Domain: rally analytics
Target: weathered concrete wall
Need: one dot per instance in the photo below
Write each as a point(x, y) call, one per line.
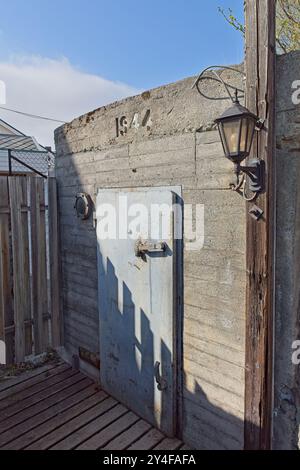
point(171, 152)
point(287, 377)
point(168, 152)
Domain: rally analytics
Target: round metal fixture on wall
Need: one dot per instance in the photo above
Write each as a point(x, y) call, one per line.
point(83, 206)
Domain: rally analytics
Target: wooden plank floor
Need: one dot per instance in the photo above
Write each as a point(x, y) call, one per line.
point(57, 408)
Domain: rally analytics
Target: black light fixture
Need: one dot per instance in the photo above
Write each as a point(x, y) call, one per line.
point(237, 127)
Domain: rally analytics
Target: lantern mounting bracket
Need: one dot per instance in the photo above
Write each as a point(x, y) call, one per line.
point(260, 124)
point(237, 126)
point(211, 73)
point(254, 171)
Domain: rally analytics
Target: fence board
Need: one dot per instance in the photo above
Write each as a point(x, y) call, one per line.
point(21, 280)
point(54, 265)
point(6, 311)
point(39, 265)
point(29, 253)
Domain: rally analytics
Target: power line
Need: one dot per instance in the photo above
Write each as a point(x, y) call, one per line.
point(34, 116)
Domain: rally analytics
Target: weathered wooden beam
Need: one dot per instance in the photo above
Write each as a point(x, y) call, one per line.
point(260, 98)
point(55, 279)
point(28, 323)
point(39, 265)
point(6, 301)
point(21, 271)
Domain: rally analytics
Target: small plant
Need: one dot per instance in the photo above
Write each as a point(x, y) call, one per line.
point(232, 20)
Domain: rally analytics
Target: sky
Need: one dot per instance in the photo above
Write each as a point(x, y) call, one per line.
point(62, 58)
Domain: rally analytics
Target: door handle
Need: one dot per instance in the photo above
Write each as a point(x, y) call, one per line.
point(161, 382)
point(149, 247)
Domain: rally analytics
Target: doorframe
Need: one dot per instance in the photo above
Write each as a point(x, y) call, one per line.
point(178, 289)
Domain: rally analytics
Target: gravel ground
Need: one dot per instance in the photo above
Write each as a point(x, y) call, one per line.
point(14, 370)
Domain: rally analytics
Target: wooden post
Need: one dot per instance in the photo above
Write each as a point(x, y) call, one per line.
point(54, 265)
point(260, 97)
point(39, 265)
point(21, 273)
point(6, 301)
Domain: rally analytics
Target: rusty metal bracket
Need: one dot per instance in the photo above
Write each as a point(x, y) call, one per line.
point(256, 213)
point(143, 248)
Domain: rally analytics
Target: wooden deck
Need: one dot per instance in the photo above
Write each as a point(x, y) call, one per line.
point(56, 407)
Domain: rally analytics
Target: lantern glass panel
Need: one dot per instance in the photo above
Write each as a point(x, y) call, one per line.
point(251, 128)
point(244, 135)
point(231, 131)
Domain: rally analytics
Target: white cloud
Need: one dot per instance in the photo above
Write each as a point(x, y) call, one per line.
point(53, 88)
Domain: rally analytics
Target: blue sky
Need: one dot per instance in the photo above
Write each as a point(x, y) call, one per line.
point(113, 49)
point(144, 44)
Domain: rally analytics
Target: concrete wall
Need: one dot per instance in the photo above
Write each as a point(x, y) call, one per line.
point(166, 151)
point(171, 152)
point(287, 377)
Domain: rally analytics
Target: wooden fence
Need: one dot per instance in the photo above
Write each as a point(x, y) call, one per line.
point(29, 267)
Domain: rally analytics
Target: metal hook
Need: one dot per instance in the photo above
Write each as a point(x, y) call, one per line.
point(161, 382)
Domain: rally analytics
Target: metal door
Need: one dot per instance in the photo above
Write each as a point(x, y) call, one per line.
point(137, 303)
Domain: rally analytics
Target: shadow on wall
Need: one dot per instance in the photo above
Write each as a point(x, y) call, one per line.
point(203, 422)
point(129, 361)
point(131, 374)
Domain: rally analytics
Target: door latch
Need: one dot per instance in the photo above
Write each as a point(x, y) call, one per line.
point(142, 247)
point(161, 382)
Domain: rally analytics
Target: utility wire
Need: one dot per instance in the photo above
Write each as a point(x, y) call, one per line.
point(34, 116)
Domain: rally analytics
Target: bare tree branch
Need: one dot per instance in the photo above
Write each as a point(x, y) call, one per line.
point(287, 28)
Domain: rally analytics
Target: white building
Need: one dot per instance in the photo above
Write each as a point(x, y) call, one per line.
point(20, 154)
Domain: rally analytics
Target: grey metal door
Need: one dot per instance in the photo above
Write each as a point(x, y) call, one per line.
point(137, 305)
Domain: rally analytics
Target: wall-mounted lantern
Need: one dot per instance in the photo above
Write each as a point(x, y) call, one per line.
point(237, 127)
